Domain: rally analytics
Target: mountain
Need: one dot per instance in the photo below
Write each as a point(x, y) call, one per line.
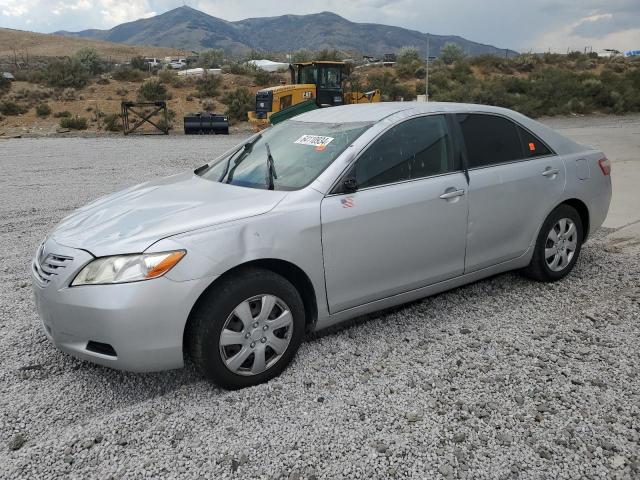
point(191, 29)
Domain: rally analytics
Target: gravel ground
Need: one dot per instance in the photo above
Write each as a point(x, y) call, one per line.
point(504, 378)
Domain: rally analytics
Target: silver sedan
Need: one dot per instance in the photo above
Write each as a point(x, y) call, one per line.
point(331, 215)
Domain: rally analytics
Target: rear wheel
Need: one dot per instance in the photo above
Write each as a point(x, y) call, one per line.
point(558, 245)
point(247, 329)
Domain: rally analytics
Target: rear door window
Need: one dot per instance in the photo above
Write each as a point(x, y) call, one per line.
point(490, 139)
point(417, 148)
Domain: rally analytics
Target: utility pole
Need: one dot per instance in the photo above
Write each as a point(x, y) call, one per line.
point(426, 83)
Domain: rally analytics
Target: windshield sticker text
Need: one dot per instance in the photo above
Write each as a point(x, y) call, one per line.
point(314, 140)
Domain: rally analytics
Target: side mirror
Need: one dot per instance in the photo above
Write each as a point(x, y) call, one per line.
point(350, 185)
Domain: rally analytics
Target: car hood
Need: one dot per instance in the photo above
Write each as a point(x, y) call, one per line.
point(133, 219)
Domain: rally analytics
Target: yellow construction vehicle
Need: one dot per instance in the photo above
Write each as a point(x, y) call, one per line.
point(313, 85)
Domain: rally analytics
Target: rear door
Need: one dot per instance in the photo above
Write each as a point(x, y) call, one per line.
point(515, 180)
point(405, 226)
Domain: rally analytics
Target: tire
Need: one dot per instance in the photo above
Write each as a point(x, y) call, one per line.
point(542, 266)
point(236, 306)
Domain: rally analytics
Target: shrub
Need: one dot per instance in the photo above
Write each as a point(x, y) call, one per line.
point(122, 91)
point(43, 110)
point(66, 73)
point(127, 74)
point(300, 56)
point(328, 55)
point(451, 53)
point(103, 81)
point(90, 60)
point(264, 78)
point(208, 105)
point(68, 94)
point(236, 68)
point(409, 63)
point(31, 76)
point(239, 102)
point(152, 91)
point(9, 107)
point(208, 85)
point(139, 63)
point(211, 58)
point(5, 85)
point(31, 96)
point(74, 123)
point(112, 122)
point(166, 76)
point(63, 114)
point(389, 86)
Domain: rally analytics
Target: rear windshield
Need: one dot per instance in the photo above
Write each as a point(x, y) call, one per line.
point(300, 152)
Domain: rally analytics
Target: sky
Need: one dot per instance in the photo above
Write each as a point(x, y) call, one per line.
point(536, 25)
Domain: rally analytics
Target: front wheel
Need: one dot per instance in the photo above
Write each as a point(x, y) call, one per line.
point(247, 329)
point(558, 245)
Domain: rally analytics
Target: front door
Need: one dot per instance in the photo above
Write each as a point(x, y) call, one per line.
point(405, 226)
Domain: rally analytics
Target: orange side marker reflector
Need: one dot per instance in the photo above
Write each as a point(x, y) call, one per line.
point(166, 264)
point(532, 147)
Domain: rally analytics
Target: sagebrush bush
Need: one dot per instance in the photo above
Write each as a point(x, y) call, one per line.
point(153, 91)
point(208, 86)
point(236, 69)
point(239, 102)
point(74, 123)
point(43, 110)
point(62, 114)
point(128, 74)
point(167, 76)
point(112, 122)
point(8, 107)
point(65, 73)
point(264, 78)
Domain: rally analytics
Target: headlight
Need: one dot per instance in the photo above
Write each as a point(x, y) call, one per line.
point(127, 268)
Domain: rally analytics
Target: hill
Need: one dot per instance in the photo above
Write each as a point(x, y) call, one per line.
point(32, 44)
point(188, 28)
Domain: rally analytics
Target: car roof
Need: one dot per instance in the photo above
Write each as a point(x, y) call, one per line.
point(374, 112)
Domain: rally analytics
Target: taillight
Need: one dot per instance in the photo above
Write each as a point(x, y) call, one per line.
point(605, 165)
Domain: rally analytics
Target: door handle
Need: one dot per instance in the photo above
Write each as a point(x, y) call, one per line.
point(452, 194)
point(549, 172)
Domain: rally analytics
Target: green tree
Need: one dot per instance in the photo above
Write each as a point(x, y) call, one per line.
point(451, 53)
point(213, 58)
point(300, 56)
point(328, 55)
point(90, 59)
point(408, 62)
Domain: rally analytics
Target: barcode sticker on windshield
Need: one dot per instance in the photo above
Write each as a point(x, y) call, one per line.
point(314, 140)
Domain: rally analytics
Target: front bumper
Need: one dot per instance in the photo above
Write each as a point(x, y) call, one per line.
point(143, 321)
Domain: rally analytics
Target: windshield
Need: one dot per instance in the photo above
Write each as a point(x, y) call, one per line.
point(300, 152)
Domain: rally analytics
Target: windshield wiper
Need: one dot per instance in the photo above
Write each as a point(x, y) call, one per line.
point(245, 148)
point(271, 169)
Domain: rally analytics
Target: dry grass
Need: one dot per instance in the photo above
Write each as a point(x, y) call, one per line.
point(45, 45)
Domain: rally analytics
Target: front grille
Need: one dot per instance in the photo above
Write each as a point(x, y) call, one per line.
point(52, 264)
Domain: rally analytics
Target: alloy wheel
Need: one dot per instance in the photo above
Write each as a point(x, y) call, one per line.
point(256, 334)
